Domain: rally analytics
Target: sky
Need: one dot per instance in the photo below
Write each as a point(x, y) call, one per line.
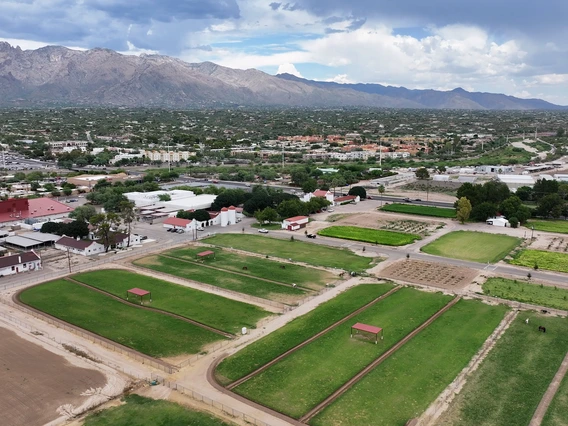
point(516, 47)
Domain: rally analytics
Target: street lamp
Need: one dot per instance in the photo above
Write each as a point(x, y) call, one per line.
point(532, 232)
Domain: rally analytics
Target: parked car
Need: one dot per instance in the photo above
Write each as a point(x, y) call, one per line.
point(407, 200)
point(418, 199)
point(263, 231)
point(180, 231)
point(330, 210)
point(311, 235)
point(143, 237)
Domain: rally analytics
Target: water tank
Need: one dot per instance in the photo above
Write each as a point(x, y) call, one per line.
point(244, 331)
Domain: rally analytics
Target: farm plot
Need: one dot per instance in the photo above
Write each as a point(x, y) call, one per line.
point(558, 226)
point(210, 309)
point(296, 331)
point(430, 274)
point(542, 259)
point(405, 384)
point(151, 333)
point(223, 279)
point(410, 226)
point(557, 414)
point(420, 210)
point(298, 251)
point(473, 246)
point(141, 411)
point(509, 384)
point(306, 377)
point(259, 267)
point(368, 235)
point(38, 381)
point(525, 292)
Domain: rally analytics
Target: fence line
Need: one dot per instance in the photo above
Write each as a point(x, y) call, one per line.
point(211, 402)
point(519, 305)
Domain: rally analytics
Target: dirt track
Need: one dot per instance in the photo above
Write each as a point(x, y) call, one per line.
point(36, 382)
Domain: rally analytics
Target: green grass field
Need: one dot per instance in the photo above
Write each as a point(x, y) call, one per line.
point(298, 251)
point(216, 311)
point(148, 332)
point(260, 267)
point(141, 411)
point(269, 226)
point(473, 246)
point(557, 414)
point(420, 210)
point(509, 384)
point(526, 292)
point(296, 331)
point(368, 235)
point(300, 381)
point(223, 279)
point(404, 385)
point(549, 260)
point(559, 226)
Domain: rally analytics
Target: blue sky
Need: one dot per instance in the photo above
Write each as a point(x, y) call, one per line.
point(515, 47)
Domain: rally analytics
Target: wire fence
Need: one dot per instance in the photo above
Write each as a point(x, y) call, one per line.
point(211, 402)
point(520, 306)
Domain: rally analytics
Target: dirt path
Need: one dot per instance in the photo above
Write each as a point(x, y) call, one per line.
point(311, 339)
point(344, 388)
point(549, 394)
point(238, 273)
point(148, 308)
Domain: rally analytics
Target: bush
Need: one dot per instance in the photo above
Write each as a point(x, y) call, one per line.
point(514, 222)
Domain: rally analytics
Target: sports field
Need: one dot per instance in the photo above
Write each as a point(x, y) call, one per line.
point(223, 279)
point(210, 309)
point(420, 210)
point(527, 292)
point(306, 377)
point(368, 235)
point(140, 411)
point(474, 246)
point(299, 251)
point(151, 333)
point(549, 260)
point(258, 266)
point(403, 386)
point(509, 384)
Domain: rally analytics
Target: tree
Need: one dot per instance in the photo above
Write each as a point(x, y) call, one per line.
point(422, 173)
point(230, 197)
point(309, 185)
point(291, 208)
point(75, 229)
point(51, 228)
point(83, 213)
point(463, 209)
point(525, 193)
point(483, 211)
point(67, 191)
point(164, 197)
point(105, 225)
point(128, 216)
point(544, 187)
point(513, 221)
point(550, 205)
point(266, 216)
point(358, 190)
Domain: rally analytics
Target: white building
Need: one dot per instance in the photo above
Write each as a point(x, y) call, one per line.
point(498, 221)
point(295, 223)
point(516, 181)
point(328, 195)
point(82, 247)
point(17, 263)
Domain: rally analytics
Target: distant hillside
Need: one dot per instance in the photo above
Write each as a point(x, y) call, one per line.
point(56, 75)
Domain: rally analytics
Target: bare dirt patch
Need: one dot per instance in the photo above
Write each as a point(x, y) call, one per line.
point(37, 382)
point(432, 274)
point(378, 220)
point(551, 243)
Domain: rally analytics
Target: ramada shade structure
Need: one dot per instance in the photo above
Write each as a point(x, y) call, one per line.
point(205, 254)
point(367, 329)
point(138, 292)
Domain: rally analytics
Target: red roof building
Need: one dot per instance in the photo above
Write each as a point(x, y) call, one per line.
point(16, 209)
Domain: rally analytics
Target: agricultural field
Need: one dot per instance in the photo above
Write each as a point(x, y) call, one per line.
point(543, 259)
point(210, 309)
point(368, 235)
point(405, 384)
point(141, 411)
point(38, 381)
point(296, 331)
point(223, 279)
point(298, 251)
point(474, 246)
point(411, 226)
point(526, 292)
point(557, 414)
point(558, 226)
point(259, 267)
point(509, 384)
point(420, 210)
point(306, 377)
point(151, 333)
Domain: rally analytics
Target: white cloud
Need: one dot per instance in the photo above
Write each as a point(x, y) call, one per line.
point(136, 51)
point(341, 79)
point(551, 79)
point(288, 68)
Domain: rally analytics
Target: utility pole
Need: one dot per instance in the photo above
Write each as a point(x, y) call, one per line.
point(69, 259)
point(380, 153)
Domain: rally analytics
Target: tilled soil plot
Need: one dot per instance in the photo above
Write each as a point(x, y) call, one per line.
point(36, 382)
point(430, 273)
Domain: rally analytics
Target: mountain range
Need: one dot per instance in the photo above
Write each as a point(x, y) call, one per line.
point(58, 76)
